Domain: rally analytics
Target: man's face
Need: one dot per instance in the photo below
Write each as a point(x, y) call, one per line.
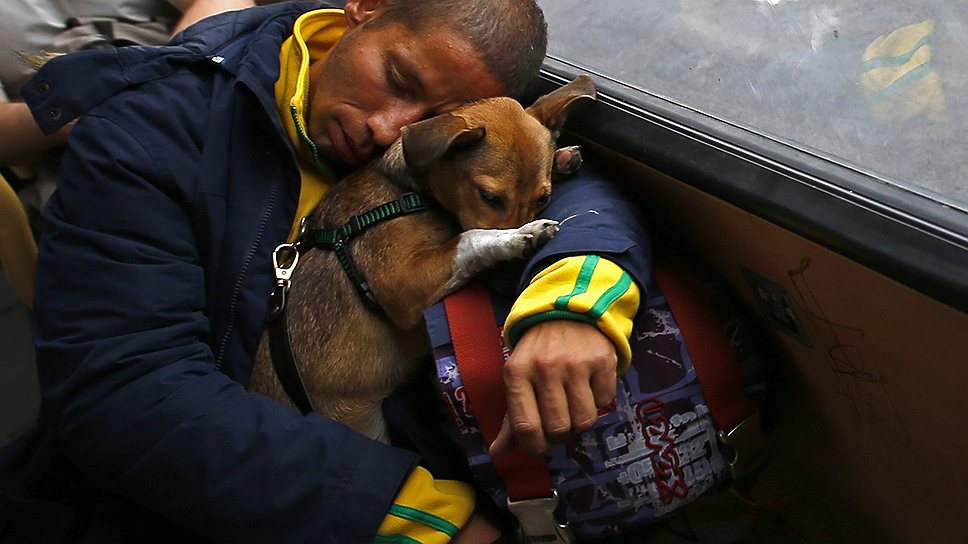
point(376, 80)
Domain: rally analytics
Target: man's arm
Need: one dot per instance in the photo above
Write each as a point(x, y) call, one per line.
point(563, 366)
point(196, 10)
point(21, 141)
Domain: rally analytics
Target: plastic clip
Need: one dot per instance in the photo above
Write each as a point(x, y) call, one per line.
point(536, 518)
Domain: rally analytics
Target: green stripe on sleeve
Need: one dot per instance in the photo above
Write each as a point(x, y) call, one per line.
point(581, 284)
point(395, 539)
point(611, 295)
point(428, 519)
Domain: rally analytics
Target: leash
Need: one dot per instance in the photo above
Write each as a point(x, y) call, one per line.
point(285, 258)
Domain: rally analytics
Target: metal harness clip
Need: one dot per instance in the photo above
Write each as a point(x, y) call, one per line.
point(284, 260)
point(749, 445)
point(537, 520)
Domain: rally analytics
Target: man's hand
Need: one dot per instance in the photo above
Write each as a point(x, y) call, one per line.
point(29, 144)
point(559, 374)
point(477, 530)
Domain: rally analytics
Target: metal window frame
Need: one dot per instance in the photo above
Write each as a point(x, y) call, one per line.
point(906, 236)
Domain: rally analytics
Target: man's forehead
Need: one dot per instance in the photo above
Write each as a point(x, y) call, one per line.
point(443, 67)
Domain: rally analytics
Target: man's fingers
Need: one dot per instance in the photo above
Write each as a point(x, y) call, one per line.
point(524, 418)
point(553, 406)
point(603, 385)
point(582, 403)
point(477, 530)
point(504, 442)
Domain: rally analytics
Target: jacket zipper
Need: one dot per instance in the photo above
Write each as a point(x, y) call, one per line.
point(250, 256)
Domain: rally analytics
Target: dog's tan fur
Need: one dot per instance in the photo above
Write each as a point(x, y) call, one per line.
point(350, 357)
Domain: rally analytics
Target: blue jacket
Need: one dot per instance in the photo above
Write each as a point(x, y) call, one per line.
point(151, 297)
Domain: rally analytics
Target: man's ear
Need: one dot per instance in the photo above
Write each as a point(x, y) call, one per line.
point(360, 11)
point(425, 142)
point(550, 109)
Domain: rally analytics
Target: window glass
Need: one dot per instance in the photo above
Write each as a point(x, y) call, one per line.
point(879, 86)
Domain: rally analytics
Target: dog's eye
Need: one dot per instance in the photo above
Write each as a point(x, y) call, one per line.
point(491, 199)
point(542, 202)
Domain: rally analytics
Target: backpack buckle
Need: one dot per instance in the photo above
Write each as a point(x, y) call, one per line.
point(536, 518)
point(749, 446)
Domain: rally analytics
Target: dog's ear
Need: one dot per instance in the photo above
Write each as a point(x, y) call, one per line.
point(425, 142)
point(550, 109)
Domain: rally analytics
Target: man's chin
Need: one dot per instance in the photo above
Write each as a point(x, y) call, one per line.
point(337, 165)
point(341, 167)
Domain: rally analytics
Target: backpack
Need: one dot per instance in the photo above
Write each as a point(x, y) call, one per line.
point(682, 424)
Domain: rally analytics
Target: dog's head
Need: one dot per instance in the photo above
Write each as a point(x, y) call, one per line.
point(488, 163)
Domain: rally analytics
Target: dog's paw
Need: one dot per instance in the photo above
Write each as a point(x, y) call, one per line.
point(537, 233)
point(479, 249)
point(567, 160)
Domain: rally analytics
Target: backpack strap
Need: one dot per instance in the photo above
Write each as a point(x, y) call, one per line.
point(716, 365)
point(479, 348)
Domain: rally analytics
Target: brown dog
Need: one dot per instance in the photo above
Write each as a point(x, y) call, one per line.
point(489, 166)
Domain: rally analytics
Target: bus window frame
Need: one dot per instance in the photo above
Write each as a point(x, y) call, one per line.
point(906, 236)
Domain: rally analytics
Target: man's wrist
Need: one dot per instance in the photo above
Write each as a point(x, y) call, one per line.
point(589, 289)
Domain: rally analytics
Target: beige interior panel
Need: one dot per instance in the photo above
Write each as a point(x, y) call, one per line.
point(871, 444)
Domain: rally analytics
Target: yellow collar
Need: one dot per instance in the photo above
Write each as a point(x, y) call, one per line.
point(313, 35)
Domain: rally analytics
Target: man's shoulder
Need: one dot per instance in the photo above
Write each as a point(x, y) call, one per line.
point(218, 48)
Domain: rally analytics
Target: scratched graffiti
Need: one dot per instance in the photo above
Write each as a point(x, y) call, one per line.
point(863, 388)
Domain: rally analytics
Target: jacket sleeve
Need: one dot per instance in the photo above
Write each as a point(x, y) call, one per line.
point(587, 288)
point(131, 394)
point(596, 218)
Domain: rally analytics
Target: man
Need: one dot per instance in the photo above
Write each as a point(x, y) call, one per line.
point(190, 164)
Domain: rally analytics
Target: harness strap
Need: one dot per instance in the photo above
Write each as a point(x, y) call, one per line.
point(407, 203)
point(286, 256)
point(338, 239)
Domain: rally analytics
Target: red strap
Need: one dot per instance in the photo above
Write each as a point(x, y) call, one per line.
point(702, 329)
point(479, 352)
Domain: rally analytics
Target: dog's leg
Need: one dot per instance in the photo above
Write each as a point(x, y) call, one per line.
point(480, 249)
point(424, 276)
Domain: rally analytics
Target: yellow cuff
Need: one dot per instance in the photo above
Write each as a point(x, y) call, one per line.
point(427, 511)
point(584, 288)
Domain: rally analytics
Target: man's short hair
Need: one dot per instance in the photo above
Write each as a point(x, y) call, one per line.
point(510, 36)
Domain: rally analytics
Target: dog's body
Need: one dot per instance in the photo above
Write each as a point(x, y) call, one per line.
point(487, 165)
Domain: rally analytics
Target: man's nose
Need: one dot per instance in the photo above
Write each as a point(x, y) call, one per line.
point(385, 124)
